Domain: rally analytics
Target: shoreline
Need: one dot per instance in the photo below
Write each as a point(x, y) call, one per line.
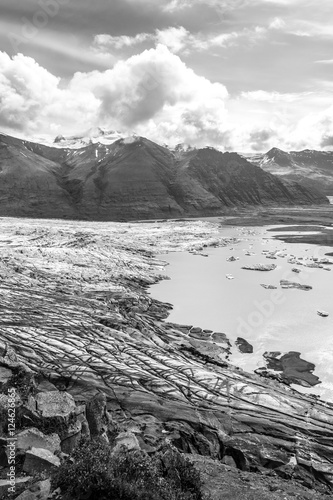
point(76, 315)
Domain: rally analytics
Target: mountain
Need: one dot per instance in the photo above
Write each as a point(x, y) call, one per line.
point(134, 178)
point(28, 182)
point(313, 169)
point(91, 136)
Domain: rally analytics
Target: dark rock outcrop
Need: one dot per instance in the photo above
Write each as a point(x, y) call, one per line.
point(244, 346)
point(293, 369)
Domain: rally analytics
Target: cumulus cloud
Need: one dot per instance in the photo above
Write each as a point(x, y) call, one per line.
point(154, 89)
point(259, 140)
point(25, 88)
point(156, 95)
point(30, 96)
point(174, 38)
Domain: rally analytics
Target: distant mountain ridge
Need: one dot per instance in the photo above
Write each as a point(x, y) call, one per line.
point(134, 178)
point(310, 168)
point(91, 136)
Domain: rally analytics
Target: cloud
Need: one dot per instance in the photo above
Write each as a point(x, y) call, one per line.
point(324, 61)
point(155, 94)
point(178, 39)
point(259, 139)
point(327, 141)
point(153, 91)
point(174, 38)
point(25, 88)
point(265, 96)
point(277, 24)
point(118, 42)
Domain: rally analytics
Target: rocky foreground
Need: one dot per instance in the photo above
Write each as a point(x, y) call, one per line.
point(91, 354)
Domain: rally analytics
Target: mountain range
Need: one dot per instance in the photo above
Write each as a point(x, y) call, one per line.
point(134, 178)
point(310, 168)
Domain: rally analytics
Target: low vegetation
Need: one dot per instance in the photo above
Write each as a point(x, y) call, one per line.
point(95, 473)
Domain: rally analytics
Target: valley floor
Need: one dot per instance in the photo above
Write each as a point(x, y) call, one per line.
point(74, 312)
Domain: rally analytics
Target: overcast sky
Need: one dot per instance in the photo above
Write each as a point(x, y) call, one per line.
point(241, 75)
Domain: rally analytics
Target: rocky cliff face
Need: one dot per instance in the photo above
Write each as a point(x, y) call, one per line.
point(134, 178)
point(312, 169)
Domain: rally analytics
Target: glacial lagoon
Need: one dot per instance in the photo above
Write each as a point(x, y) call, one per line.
point(270, 319)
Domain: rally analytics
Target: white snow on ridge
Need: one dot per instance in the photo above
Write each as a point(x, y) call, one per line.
point(92, 136)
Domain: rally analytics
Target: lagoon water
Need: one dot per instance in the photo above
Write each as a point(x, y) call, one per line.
point(271, 320)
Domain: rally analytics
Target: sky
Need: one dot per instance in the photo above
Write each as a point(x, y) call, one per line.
point(239, 75)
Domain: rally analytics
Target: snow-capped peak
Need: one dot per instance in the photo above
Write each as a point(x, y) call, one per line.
point(92, 136)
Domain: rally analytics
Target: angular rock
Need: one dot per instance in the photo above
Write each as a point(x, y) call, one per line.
point(96, 415)
point(5, 484)
point(220, 338)
point(37, 491)
point(294, 369)
point(244, 346)
point(72, 437)
point(55, 404)
point(40, 460)
point(5, 375)
point(33, 438)
point(229, 461)
point(126, 441)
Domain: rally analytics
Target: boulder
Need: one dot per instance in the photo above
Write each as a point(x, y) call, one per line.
point(244, 346)
point(228, 460)
point(40, 460)
point(96, 415)
point(220, 338)
point(5, 484)
point(196, 330)
point(72, 437)
point(5, 376)
point(33, 438)
point(126, 441)
point(37, 491)
point(55, 404)
point(294, 369)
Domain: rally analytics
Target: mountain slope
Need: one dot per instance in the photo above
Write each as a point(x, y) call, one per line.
point(134, 178)
point(28, 183)
point(235, 181)
point(312, 169)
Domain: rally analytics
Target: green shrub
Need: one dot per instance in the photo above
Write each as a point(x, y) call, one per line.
point(94, 473)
